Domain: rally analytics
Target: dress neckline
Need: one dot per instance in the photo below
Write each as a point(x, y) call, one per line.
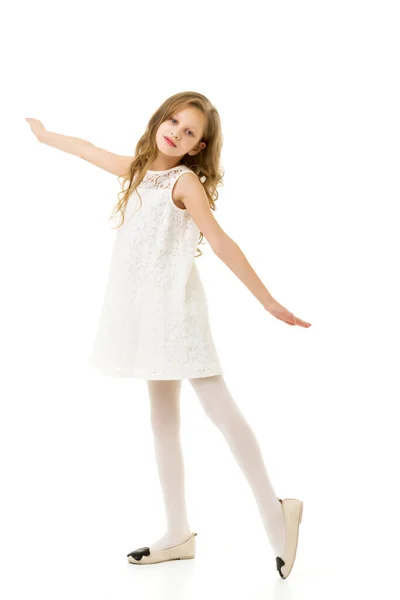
point(165, 170)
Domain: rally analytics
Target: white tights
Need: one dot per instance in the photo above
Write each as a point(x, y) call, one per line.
point(221, 408)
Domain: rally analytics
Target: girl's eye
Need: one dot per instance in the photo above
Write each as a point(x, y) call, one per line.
point(173, 119)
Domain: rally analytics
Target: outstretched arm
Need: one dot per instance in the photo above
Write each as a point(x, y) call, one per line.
point(113, 163)
point(190, 191)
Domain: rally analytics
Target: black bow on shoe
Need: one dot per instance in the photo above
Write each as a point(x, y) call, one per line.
point(279, 564)
point(139, 553)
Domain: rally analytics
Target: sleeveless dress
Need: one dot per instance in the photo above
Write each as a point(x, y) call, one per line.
point(154, 320)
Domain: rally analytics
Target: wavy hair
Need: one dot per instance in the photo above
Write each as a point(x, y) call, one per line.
point(206, 164)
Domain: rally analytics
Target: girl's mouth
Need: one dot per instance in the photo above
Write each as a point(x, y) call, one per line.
point(169, 142)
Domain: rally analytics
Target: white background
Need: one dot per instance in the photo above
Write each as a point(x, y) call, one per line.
point(308, 95)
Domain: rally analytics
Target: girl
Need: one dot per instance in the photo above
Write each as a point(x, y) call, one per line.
point(154, 319)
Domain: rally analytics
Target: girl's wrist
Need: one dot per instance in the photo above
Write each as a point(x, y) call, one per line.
point(44, 137)
point(270, 304)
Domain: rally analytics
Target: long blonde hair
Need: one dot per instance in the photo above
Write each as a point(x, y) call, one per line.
point(206, 164)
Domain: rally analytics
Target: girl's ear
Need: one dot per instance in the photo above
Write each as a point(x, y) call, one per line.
point(202, 145)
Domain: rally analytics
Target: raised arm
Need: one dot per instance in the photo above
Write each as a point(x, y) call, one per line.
point(113, 163)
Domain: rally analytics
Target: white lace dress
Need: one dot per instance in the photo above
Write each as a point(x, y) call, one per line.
point(154, 319)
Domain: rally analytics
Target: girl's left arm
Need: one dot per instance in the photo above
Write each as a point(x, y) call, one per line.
point(192, 194)
point(190, 191)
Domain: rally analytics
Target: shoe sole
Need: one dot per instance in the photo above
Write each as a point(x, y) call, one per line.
point(155, 562)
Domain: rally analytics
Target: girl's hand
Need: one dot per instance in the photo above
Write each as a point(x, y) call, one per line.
point(37, 128)
point(280, 312)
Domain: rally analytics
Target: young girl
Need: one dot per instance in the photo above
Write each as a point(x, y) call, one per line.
point(154, 320)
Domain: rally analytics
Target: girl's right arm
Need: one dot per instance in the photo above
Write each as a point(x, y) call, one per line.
point(113, 163)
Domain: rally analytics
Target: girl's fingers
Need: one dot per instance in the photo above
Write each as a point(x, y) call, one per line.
point(302, 323)
point(289, 318)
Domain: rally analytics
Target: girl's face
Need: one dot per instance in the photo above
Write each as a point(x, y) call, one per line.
point(185, 128)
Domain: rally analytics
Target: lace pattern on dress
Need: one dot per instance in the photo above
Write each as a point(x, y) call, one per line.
point(161, 180)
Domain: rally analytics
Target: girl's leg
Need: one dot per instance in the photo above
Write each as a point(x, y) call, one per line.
point(165, 420)
point(221, 408)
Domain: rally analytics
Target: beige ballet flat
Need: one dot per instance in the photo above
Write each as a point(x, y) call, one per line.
point(144, 556)
point(293, 513)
